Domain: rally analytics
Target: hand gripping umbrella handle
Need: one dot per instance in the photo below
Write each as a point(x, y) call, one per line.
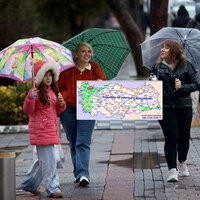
point(33, 96)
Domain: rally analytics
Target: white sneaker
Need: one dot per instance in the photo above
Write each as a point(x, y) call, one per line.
point(173, 175)
point(83, 181)
point(182, 169)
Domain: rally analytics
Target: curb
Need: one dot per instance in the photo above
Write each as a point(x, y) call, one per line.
point(100, 125)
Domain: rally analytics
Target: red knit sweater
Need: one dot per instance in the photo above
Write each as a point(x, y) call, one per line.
point(68, 78)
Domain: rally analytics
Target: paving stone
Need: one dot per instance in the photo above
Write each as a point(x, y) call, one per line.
point(125, 164)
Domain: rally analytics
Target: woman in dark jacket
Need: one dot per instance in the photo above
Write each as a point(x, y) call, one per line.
point(179, 80)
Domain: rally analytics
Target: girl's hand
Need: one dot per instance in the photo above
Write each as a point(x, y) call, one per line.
point(33, 93)
point(60, 99)
point(177, 84)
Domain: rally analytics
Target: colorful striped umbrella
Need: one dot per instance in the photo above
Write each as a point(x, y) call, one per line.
point(16, 61)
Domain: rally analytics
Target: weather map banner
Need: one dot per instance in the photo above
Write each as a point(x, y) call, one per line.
point(114, 100)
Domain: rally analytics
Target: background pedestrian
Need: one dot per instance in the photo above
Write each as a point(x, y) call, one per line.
point(182, 18)
point(195, 23)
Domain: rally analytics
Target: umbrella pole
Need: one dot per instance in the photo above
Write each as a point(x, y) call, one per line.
point(33, 70)
point(32, 66)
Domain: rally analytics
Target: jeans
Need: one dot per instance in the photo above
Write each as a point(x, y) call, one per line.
point(79, 134)
point(176, 126)
point(44, 168)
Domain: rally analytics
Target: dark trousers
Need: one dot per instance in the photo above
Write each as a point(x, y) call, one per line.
point(176, 126)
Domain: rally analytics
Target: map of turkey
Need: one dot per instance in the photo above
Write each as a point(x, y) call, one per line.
point(119, 100)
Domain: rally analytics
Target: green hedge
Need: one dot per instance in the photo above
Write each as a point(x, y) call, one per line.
point(11, 103)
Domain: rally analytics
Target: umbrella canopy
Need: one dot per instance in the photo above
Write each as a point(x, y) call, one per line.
point(110, 48)
point(16, 61)
point(188, 37)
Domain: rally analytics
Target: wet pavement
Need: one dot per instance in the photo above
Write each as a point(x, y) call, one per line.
point(127, 161)
point(126, 164)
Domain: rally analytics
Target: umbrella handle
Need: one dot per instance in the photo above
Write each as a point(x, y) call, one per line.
point(33, 96)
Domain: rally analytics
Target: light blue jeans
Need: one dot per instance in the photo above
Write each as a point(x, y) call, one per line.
point(44, 168)
point(79, 133)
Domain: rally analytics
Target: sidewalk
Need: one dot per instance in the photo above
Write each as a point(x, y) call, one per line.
point(108, 179)
point(127, 162)
point(125, 165)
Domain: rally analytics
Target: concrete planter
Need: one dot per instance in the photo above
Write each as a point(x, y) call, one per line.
point(14, 129)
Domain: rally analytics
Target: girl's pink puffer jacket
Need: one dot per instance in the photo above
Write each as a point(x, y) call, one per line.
point(43, 120)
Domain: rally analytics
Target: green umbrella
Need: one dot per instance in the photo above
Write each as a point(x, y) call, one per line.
point(110, 48)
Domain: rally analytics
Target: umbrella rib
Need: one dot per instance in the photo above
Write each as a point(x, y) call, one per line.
point(181, 37)
point(190, 55)
point(70, 43)
point(125, 48)
point(25, 62)
point(108, 45)
point(41, 52)
point(36, 48)
point(100, 34)
point(101, 64)
point(67, 56)
point(190, 32)
point(80, 34)
point(53, 47)
point(13, 53)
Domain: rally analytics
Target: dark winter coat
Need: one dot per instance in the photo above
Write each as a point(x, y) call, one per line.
point(189, 83)
point(182, 18)
point(193, 23)
point(43, 120)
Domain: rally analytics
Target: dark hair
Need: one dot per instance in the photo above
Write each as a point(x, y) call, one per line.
point(43, 96)
point(176, 53)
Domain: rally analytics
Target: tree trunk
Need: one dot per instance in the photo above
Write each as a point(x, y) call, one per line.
point(131, 31)
point(158, 16)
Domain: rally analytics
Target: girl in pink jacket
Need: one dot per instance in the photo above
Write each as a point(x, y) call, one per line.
point(43, 104)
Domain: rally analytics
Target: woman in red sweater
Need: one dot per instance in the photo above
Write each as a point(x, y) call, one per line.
point(78, 132)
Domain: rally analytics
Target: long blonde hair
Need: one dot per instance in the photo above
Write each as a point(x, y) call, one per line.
point(175, 53)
